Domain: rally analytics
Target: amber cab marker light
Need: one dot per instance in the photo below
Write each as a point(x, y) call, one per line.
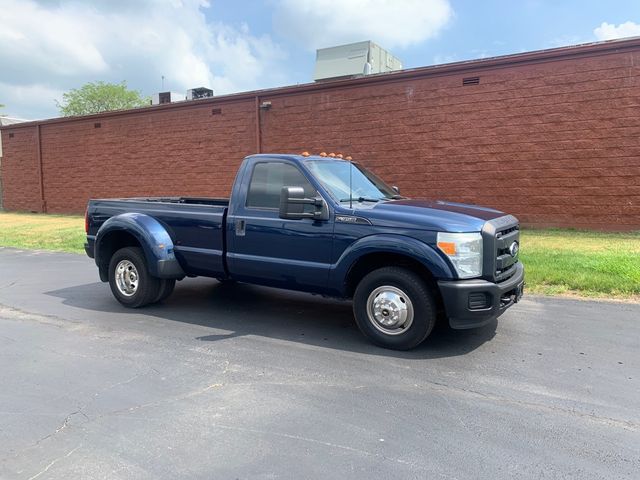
point(348, 157)
point(305, 154)
point(447, 247)
point(332, 155)
point(323, 154)
point(339, 155)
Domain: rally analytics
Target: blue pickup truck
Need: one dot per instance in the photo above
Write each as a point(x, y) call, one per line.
point(320, 224)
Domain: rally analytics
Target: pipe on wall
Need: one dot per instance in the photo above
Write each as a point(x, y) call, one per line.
point(43, 203)
point(258, 134)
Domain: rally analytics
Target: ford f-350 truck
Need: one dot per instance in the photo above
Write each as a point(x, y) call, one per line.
point(318, 224)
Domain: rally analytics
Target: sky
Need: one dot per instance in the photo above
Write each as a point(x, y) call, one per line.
point(48, 47)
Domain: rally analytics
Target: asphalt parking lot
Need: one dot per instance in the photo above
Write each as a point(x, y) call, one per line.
point(236, 381)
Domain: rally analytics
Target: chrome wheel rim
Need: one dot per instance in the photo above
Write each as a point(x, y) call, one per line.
point(390, 310)
point(126, 278)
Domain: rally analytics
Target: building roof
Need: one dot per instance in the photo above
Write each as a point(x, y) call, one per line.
point(464, 67)
point(4, 120)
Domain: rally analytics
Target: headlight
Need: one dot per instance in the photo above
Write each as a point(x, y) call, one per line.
point(464, 250)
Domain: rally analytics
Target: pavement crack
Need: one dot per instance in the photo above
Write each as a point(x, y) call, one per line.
point(8, 285)
point(457, 415)
point(611, 422)
point(20, 314)
point(53, 462)
point(125, 382)
point(314, 441)
point(164, 402)
point(64, 425)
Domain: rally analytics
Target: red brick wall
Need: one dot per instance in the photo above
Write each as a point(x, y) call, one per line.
point(20, 170)
point(171, 152)
point(555, 142)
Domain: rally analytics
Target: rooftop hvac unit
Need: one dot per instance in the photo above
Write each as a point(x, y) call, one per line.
point(198, 93)
point(354, 59)
point(161, 97)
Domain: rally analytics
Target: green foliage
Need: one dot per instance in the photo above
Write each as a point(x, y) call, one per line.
point(96, 97)
point(47, 232)
point(589, 264)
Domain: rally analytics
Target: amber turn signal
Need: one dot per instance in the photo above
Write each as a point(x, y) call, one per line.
point(447, 247)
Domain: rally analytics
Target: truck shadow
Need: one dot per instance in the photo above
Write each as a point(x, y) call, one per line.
point(244, 309)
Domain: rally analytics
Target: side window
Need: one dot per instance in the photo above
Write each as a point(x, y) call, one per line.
point(267, 181)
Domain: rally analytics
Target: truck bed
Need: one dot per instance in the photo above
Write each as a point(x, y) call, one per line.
point(195, 223)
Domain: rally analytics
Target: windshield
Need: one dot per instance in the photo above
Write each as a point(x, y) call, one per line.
point(334, 176)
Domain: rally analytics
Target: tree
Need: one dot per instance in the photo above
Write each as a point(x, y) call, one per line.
point(96, 97)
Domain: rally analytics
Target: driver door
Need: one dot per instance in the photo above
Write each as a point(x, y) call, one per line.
point(269, 250)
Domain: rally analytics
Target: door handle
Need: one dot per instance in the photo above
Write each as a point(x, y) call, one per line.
point(240, 228)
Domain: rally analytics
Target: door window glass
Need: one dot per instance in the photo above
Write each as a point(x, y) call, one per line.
point(267, 181)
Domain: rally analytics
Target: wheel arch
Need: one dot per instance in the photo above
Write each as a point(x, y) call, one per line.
point(377, 251)
point(137, 230)
point(373, 261)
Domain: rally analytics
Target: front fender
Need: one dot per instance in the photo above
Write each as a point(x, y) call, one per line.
point(388, 243)
point(153, 238)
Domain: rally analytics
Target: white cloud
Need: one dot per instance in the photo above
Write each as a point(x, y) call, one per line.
point(49, 47)
point(29, 98)
point(609, 31)
point(390, 23)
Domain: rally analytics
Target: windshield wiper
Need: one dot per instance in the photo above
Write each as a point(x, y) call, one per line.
point(361, 199)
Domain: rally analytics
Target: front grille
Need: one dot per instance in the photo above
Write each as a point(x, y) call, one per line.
point(505, 262)
point(508, 230)
point(499, 235)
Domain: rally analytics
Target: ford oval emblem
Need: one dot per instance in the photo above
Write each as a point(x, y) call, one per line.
point(514, 248)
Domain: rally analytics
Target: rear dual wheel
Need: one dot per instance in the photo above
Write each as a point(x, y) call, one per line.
point(130, 281)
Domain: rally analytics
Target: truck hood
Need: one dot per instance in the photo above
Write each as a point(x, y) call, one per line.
point(435, 215)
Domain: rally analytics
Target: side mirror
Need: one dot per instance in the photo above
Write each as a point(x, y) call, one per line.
point(292, 202)
point(396, 189)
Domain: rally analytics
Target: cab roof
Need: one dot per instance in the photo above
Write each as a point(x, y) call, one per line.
point(295, 157)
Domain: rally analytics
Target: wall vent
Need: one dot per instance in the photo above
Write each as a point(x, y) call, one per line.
point(97, 125)
point(216, 111)
point(471, 81)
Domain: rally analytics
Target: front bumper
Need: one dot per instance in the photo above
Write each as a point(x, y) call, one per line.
point(473, 303)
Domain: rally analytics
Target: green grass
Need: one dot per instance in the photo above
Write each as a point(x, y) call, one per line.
point(558, 262)
point(588, 264)
point(43, 232)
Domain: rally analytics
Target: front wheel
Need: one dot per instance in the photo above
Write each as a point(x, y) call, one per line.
point(129, 278)
point(394, 308)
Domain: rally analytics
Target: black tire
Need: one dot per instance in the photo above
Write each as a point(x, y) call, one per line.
point(166, 288)
point(405, 291)
point(147, 287)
